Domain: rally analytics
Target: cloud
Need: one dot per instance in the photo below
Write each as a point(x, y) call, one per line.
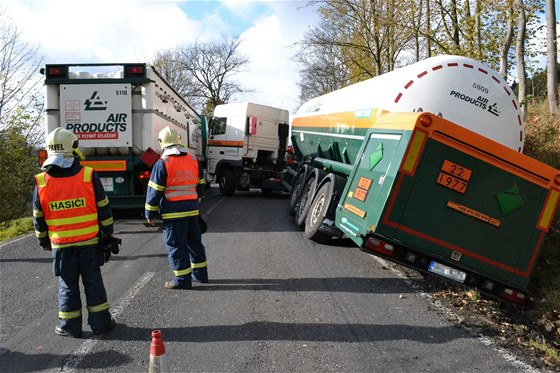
point(269, 44)
point(119, 31)
point(271, 72)
point(116, 31)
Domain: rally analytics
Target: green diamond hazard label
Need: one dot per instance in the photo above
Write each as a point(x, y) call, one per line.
point(509, 200)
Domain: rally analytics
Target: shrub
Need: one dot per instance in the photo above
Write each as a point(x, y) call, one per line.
point(18, 166)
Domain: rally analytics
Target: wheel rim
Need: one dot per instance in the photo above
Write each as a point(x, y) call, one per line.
point(317, 210)
point(303, 200)
point(296, 192)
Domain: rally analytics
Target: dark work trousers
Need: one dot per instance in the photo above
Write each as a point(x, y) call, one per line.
point(183, 241)
point(70, 264)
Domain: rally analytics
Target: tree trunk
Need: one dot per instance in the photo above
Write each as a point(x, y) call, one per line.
point(520, 57)
point(477, 28)
point(455, 23)
point(506, 45)
point(428, 29)
point(551, 65)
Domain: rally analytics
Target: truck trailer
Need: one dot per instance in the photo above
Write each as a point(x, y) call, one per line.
point(423, 166)
point(117, 111)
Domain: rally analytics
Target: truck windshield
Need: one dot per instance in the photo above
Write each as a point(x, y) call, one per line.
point(217, 126)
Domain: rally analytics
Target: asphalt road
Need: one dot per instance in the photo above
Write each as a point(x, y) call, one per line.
point(275, 303)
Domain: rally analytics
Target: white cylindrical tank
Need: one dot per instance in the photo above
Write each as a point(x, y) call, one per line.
point(457, 88)
point(102, 151)
point(52, 109)
point(83, 75)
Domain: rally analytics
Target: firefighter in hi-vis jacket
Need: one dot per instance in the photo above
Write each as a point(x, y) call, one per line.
point(174, 190)
point(71, 212)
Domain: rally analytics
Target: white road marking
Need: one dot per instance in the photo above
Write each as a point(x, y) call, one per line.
point(71, 364)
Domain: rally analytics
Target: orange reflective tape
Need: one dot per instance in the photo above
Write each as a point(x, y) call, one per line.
point(116, 165)
point(226, 143)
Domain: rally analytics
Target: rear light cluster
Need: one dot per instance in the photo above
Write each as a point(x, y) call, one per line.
point(290, 155)
point(56, 72)
point(513, 296)
point(381, 247)
point(134, 71)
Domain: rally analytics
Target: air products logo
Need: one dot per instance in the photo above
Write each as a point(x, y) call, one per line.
point(480, 101)
point(95, 103)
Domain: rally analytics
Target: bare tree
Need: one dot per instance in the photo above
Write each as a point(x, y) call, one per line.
point(211, 67)
point(204, 72)
point(551, 54)
point(20, 95)
point(323, 69)
point(169, 66)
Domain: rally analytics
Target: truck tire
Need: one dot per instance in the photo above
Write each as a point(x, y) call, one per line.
point(296, 193)
point(305, 201)
point(316, 215)
point(227, 182)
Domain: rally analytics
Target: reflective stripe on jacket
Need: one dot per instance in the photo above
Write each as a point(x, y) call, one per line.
point(182, 177)
point(69, 208)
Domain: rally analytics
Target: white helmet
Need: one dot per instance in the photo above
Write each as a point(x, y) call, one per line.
point(62, 148)
point(168, 137)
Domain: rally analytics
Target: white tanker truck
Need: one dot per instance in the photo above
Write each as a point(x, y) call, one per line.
point(423, 166)
point(117, 111)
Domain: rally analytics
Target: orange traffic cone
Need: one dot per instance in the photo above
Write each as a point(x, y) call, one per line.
point(158, 362)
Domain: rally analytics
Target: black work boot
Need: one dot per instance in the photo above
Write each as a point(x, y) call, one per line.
point(66, 333)
point(106, 329)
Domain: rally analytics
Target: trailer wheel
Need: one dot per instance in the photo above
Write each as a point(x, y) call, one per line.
point(296, 193)
point(305, 201)
point(316, 215)
point(227, 182)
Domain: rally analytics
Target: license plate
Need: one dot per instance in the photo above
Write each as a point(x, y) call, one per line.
point(446, 271)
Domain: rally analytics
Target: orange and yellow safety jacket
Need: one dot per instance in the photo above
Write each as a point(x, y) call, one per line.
point(69, 208)
point(175, 185)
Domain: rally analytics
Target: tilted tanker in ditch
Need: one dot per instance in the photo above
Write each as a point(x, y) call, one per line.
point(423, 166)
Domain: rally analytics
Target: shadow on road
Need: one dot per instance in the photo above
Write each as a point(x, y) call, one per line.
point(277, 331)
point(19, 362)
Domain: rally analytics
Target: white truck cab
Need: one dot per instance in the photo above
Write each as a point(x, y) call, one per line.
point(247, 146)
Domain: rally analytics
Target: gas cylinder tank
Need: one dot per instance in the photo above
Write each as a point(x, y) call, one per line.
point(459, 89)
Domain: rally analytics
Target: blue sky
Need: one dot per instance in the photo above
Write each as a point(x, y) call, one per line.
point(113, 31)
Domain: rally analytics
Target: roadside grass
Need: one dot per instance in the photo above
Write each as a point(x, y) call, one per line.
point(15, 228)
point(548, 351)
point(542, 142)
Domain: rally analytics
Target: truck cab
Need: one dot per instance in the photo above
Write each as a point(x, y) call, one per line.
point(246, 147)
